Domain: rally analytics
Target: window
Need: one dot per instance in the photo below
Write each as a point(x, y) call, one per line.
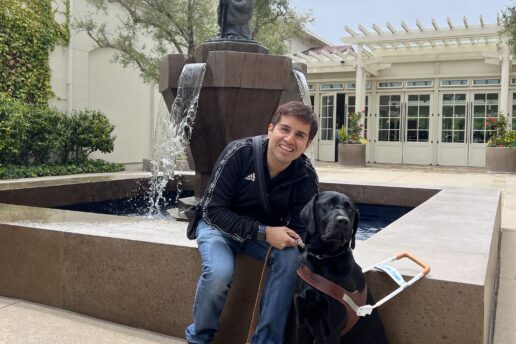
point(448, 83)
point(486, 82)
point(420, 83)
point(353, 85)
point(329, 87)
point(484, 105)
point(418, 118)
point(390, 84)
point(327, 108)
point(513, 81)
point(390, 118)
point(453, 120)
point(311, 87)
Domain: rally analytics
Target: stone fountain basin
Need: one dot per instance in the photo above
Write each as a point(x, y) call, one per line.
point(143, 273)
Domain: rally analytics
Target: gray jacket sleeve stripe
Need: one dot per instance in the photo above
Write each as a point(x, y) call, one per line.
point(211, 187)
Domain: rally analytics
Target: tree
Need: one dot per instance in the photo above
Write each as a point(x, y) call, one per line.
point(509, 23)
point(178, 26)
point(275, 22)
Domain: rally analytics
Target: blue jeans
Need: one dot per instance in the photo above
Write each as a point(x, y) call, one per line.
point(218, 253)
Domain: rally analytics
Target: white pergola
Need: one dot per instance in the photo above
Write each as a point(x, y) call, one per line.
point(370, 51)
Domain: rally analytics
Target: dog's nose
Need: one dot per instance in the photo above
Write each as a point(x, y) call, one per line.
point(342, 220)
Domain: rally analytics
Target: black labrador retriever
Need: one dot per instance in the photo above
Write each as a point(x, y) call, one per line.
point(332, 222)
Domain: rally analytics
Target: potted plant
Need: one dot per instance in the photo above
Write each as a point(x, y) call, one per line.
point(352, 148)
point(501, 147)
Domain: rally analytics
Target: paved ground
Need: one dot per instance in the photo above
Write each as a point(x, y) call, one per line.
point(23, 322)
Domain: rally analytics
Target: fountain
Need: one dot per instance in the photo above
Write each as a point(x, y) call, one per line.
point(242, 87)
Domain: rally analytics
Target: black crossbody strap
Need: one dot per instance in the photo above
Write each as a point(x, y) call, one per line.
point(260, 178)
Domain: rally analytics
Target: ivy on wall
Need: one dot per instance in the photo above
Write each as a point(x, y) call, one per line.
point(28, 32)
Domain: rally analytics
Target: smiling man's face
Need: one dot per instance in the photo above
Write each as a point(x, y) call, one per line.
point(288, 139)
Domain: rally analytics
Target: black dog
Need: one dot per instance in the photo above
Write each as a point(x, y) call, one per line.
point(332, 222)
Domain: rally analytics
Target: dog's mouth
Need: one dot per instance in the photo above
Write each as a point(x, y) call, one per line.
point(336, 241)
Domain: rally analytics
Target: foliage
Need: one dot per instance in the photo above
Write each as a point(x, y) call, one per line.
point(179, 26)
point(87, 166)
point(499, 136)
point(35, 135)
point(352, 133)
point(29, 31)
point(509, 22)
point(172, 25)
point(275, 22)
point(89, 131)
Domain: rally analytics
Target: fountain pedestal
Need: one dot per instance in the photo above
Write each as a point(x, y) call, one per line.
point(242, 88)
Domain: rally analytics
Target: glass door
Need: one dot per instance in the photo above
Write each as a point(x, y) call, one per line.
point(452, 142)
point(417, 146)
point(327, 127)
point(388, 148)
point(484, 105)
point(462, 129)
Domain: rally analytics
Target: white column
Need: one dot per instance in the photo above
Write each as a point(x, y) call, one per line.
point(505, 78)
point(360, 83)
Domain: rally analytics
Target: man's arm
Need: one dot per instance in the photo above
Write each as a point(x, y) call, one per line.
point(222, 188)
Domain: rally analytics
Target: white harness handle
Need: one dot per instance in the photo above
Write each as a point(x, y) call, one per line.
point(395, 275)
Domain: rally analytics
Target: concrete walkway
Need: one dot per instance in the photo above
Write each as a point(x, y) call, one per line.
point(23, 322)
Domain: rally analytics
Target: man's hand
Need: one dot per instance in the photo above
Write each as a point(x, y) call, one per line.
point(281, 237)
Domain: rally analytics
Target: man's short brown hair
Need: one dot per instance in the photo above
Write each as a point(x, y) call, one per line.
point(299, 110)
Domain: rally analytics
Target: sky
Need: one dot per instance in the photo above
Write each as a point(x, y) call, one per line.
point(331, 16)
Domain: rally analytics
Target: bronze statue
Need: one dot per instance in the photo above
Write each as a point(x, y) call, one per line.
point(234, 18)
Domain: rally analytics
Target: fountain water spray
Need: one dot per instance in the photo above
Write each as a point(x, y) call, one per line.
point(305, 95)
point(173, 132)
point(303, 87)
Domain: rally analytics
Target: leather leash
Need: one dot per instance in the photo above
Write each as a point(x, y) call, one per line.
point(254, 318)
point(266, 207)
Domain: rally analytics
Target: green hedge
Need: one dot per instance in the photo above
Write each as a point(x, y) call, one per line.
point(88, 166)
point(37, 135)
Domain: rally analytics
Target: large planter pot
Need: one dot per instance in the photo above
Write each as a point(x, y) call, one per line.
point(352, 154)
point(501, 159)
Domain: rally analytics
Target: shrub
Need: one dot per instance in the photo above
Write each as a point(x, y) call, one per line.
point(90, 131)
point(13, 129)
point(352, 133)
point(37, 135)
point(499, 136)
point(88, 166)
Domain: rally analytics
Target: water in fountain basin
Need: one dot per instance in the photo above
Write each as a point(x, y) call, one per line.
point(173, 132)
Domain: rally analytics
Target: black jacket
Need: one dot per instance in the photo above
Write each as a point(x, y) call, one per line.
point(231, 202)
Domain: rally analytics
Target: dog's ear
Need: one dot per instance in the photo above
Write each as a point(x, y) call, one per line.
point(308, 216)
point(355, 226)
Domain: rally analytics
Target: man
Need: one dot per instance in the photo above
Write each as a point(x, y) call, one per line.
point(234, 17)
point(233, 222)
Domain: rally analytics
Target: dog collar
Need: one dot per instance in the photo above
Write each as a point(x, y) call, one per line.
point(321, 256)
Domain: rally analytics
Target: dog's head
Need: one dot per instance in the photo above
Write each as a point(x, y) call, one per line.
point(332, 221)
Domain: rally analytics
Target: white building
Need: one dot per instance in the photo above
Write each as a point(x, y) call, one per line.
point(427, 92)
